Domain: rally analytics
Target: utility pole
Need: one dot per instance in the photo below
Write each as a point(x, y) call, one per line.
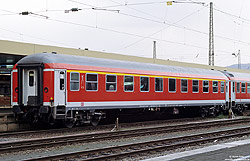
point(154, 50)
point(239, 59)
point(211, 37)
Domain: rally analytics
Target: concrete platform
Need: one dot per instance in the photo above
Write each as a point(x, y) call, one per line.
point(4, 110)
point(8, 122)
point(233, 151)
point(13, 126)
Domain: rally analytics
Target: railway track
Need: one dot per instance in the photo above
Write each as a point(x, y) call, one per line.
point(143, 148)
point(84, 138)
point(100, 127)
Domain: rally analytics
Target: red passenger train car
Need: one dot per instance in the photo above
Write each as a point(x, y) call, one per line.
point(76, 89)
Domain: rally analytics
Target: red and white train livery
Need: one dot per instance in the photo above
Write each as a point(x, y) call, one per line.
point(49, 87)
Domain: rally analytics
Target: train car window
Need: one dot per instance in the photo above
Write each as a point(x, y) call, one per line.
point(128, 83)
point(91, 82)
point(144, 86)
point(172, 85)
point(238, 87)
point(243, 87)
point(31, 78)
point(215, 86)
point(248, 87)
point(62, 81)
point(159, 84)
point(205, 86)
point(74, 81)
point(195, 85)
point(222, 86)
point(184, 85)
point(111, 83)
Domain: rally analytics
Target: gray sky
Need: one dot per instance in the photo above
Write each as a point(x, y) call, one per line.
point(181, 30)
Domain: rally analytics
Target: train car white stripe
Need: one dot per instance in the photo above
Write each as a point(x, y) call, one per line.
point(242, 100)
point(14, 103)
point(46, 103)
point(15, 70)
point(49, 70)
point(145, 103)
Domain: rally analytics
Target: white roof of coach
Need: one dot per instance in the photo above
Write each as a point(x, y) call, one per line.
point(99, 62)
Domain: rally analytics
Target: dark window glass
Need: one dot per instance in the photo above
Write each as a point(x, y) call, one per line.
point(111, 82)
point(62, 81)
point(91, 82)
point(184, 85)
point(171, 85)
point(238, 87)
point(205, 86)
point(215, 86)
point(74, 76)
point(61, 84)
point(248, 87)
point(243, 87)
point(91, 77)
point(74, 81)
point(158, 84)
point(31, 78)
point(222, 87)
point(233, 86)
point(144, 84)
point(128, 83)
point(195, 86)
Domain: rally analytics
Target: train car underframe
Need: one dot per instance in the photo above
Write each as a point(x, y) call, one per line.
point(75, 116)
point(52, 115)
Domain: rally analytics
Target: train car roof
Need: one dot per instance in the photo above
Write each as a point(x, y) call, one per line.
point(239, 76)
point(52, 59)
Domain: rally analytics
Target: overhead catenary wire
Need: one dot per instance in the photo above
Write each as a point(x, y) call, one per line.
point(232, 15)
point(198, 2)
point(137, 10)
point(239, 18)
point(38, 38)
point(9, 12)
point(173, 41)
point(164, 22)
point(162, 29)
point(119, 5)
point(174, 25)
point(186, 28)
point(130, 34)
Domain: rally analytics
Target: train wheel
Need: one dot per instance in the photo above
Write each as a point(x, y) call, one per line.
point(33, 119)
point(203, 112)
point(240, 110)
point(95, 120)
point(51, 121)
point(69, 123)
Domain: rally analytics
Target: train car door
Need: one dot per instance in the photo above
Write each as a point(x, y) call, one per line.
point(227, 92)
point(29, 87)
point(233, 93)
point(60, 87)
